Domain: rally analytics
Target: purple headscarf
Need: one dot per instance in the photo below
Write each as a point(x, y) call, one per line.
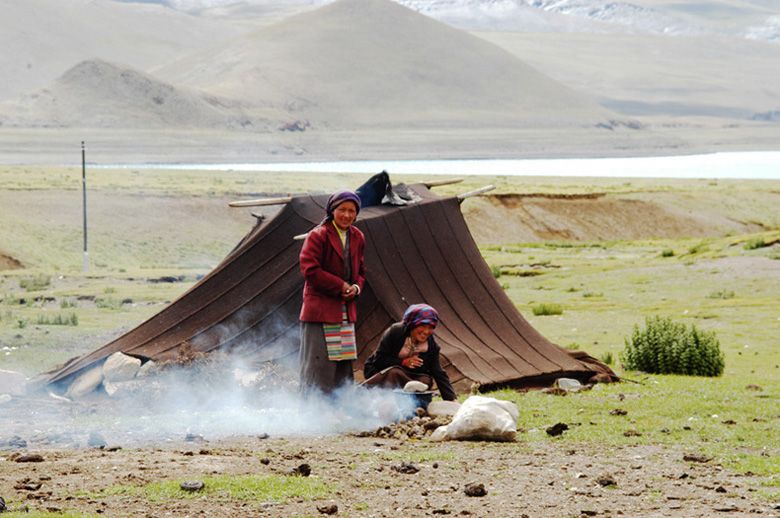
point(336, 199)
point(418, 314)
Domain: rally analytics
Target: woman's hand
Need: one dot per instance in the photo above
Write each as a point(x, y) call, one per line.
point(412, 362)
point(349, 292)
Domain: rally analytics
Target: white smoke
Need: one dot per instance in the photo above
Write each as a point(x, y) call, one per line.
point(177, 407)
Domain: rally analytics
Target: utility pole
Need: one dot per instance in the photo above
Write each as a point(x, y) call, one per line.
point(85, 266)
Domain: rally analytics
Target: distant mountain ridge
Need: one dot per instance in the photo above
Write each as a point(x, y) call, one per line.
point(353, 63)
point(750, 19)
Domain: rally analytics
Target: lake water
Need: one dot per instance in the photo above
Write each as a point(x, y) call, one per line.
point(738, 165)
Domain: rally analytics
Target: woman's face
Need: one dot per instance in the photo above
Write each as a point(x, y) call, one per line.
point(344, 215)
point(421, 332)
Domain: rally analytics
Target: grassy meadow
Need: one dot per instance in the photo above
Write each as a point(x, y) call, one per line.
point(153, 233)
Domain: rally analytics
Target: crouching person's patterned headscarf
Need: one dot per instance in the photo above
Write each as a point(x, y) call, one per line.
point(418, 314)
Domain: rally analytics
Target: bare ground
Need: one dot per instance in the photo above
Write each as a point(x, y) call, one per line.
point(370, 476)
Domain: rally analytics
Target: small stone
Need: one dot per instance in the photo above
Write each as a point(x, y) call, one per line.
point(192, 485)
point(29, 457)
point(328, 509)
point(474, 489)
point(304, 470)
point(557, 429)
point(696, 457)
point(606, 481)
point(406, 467)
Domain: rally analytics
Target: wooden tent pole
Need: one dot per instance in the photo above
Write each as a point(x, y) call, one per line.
point(435, 183)
point(260, 201)
point(477, 192)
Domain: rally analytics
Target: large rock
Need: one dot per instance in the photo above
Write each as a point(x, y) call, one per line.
point(120, 389)
point(86, 382)
point(120, 367)
point(148, 369)
point(13, 383)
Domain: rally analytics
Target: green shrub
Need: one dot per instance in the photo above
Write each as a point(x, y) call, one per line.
point(721, 294)
point(108, 303)
point(58, 320)
point(496, 270)
point(667, 252)
point(607, 358)
point(755, 243)
point(667, 347)
point(547, 309)
point(38, 283)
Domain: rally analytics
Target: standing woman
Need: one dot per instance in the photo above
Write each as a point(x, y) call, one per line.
point(333, 270)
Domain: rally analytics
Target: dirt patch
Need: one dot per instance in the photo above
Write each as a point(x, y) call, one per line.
point(9, 263)
point(527, 218)
point(371, 476)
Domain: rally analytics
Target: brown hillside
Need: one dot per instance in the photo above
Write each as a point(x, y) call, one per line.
point(374, 63)
point(41, 39)
point(96, 93)
point(520, 218)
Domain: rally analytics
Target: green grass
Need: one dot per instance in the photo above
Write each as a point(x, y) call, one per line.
point(259, 488)
point(722, 418)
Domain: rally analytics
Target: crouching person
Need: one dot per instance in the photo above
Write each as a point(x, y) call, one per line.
point(408, 352)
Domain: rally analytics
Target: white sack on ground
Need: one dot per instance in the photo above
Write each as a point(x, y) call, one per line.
point(481, 418)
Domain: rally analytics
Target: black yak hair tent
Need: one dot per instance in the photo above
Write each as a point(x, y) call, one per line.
point(418, 249)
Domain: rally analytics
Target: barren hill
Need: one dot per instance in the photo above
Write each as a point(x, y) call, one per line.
point(96, 93)
point(376, 63)
point(41, 39)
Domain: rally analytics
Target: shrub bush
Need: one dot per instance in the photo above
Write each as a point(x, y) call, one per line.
point(547, 309)
point(667, 347)
point(755, 243)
